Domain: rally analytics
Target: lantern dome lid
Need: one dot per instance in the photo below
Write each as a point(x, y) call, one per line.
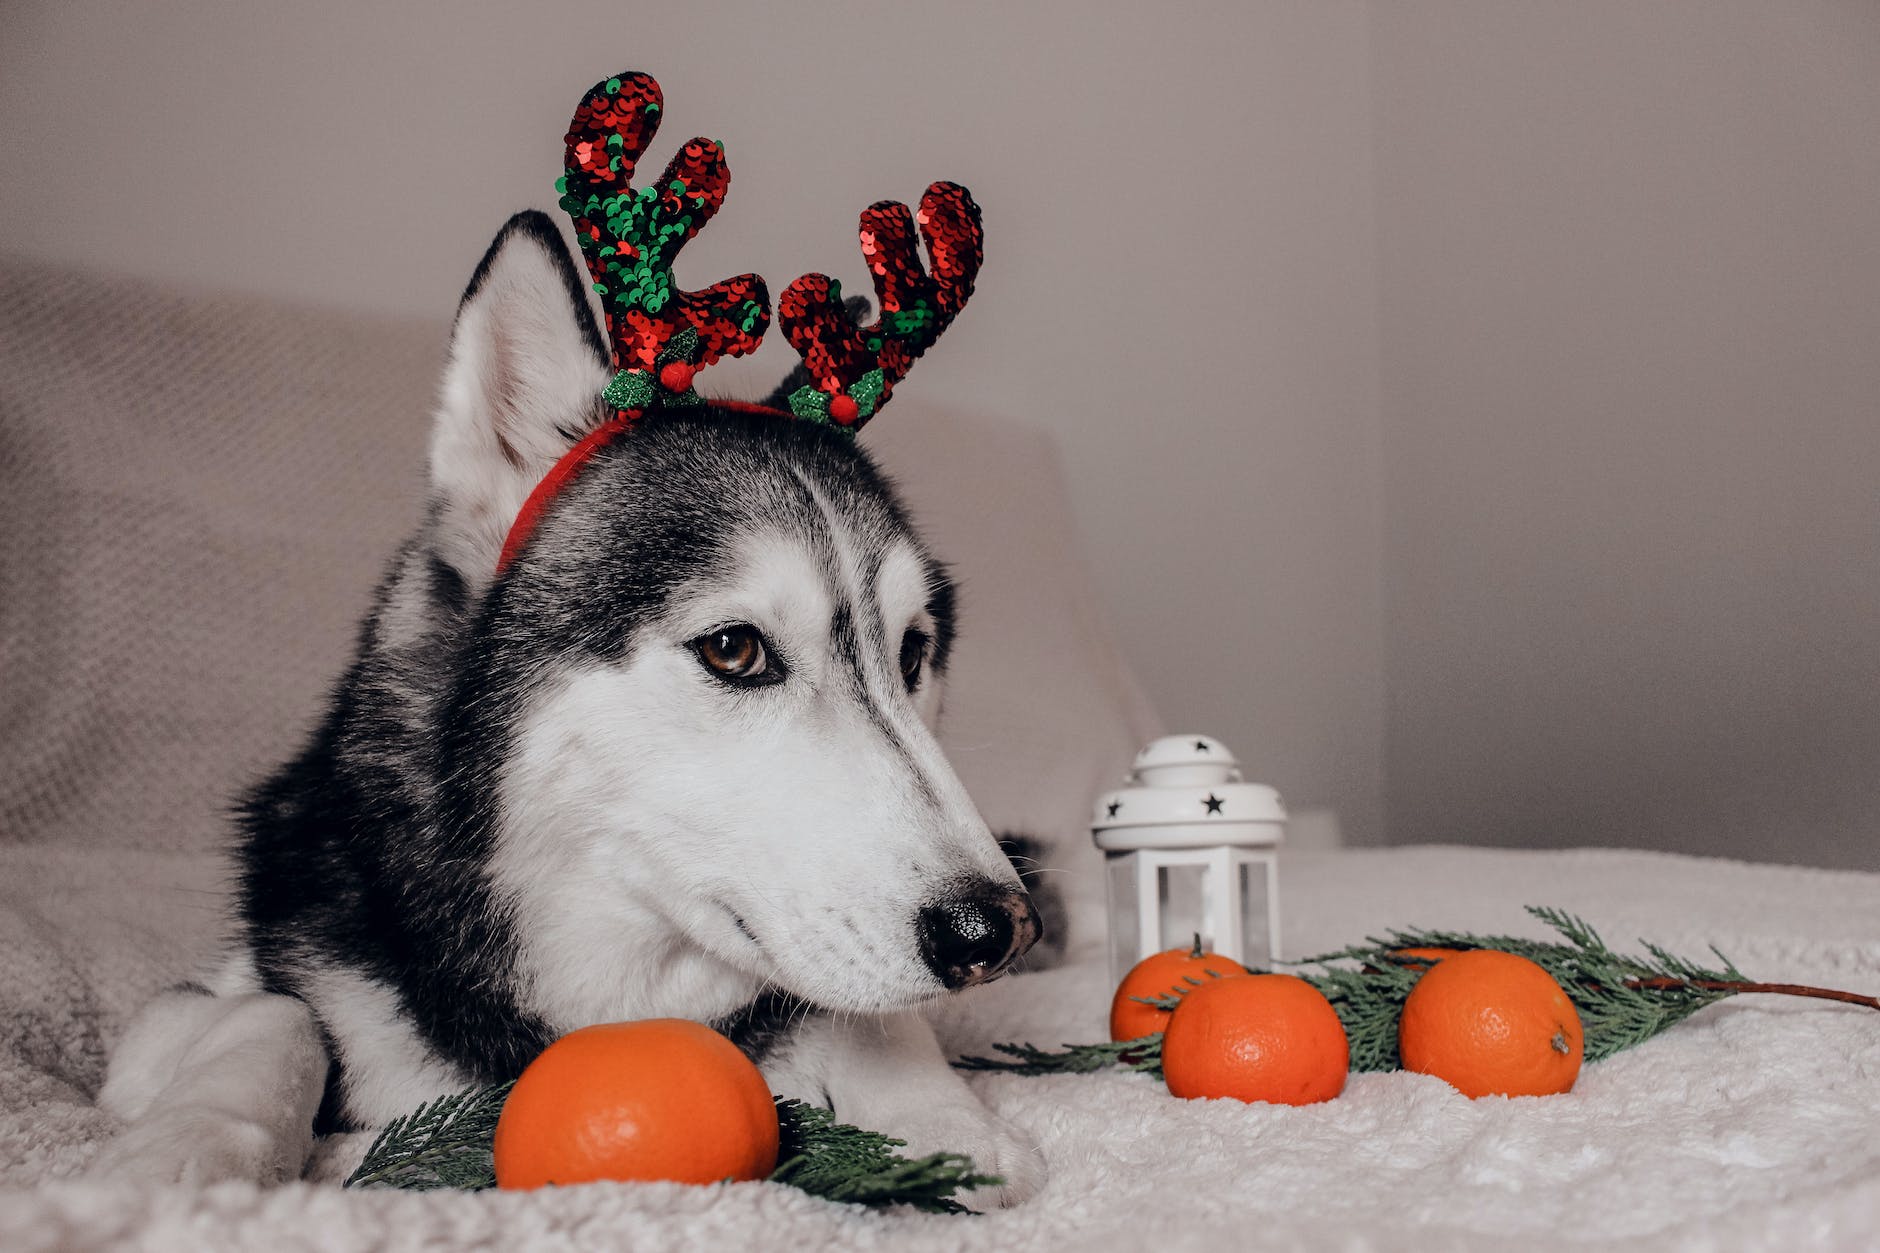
point(1186, 792)
point(1186, 750)
point(1183, 760)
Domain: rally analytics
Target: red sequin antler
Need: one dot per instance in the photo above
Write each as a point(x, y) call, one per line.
point(853, 369)
point(630, 238)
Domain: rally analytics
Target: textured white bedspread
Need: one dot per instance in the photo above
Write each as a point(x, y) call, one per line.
point(1754, 1125)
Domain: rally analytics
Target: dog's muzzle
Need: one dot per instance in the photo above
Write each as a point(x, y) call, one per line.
point(976, 936)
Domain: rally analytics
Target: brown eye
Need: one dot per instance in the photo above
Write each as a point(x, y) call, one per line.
point(913, 657)
point(738, 654)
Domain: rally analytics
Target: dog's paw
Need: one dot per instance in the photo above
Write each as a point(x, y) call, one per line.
point(996, 1146)
point(193, 1146)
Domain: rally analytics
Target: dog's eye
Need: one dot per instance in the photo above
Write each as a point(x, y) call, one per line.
point(739, 654)
point(913, 657)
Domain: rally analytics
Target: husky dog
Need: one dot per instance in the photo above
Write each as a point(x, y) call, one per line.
point(676, 760)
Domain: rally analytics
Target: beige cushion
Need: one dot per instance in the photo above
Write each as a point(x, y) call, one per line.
point(199, 492)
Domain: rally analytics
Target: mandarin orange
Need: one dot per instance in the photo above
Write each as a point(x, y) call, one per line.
point(1492, 1024)
point(1162, 974)
point(663, 1098)
point(1256, 1038)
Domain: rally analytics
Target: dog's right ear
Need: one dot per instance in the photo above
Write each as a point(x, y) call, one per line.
point(523, 383)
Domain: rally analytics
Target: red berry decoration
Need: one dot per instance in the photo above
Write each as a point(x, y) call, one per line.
point(844, 410)
point(676, 376)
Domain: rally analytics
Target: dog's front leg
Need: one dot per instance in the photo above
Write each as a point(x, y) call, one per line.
point(888, 1074)
point(214, 1087)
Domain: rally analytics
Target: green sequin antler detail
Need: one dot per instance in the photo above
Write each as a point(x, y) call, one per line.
point(630, 238)
point(852, 369)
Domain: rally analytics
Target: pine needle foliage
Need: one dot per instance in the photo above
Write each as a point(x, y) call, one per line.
point(441, 1144)
point(838, 1162)
point(1074, 1059)
point(446, 1143)
point(1622, 1000)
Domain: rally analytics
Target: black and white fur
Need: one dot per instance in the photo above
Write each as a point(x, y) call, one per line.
point(532, 806)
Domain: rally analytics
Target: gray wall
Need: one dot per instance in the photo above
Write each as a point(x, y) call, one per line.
point(1180, 281)
point(1508, 365)
point(1631, 311)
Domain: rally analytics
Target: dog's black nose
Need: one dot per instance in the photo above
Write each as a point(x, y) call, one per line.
point(973, 937)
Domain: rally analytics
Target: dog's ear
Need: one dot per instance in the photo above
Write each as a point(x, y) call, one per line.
point(523, 383)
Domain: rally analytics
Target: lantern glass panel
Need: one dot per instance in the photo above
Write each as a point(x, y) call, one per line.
point(1125, 914)
point(1184, 894)
point(1255, 922)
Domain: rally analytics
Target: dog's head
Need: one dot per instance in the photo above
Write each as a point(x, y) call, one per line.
point(706, 689)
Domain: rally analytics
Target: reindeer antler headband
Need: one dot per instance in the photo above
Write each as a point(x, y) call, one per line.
point(661, 336)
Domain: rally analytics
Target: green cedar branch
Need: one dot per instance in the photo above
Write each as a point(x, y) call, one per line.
point(446, 1143)
point(838, 1162)
point(1622, 1000)
point(1144, 1055)
point(441, 1144)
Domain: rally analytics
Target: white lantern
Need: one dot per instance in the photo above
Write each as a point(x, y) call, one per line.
point(1191, 849)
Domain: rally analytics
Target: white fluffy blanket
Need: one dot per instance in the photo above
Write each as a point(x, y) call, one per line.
point(1754, 1125)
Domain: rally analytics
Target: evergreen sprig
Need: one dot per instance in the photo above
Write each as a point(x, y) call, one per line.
point(1074, 1059)
point(1622, 1000)
point(441, 1144)
point(838, 1162)
point(446, 1143)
